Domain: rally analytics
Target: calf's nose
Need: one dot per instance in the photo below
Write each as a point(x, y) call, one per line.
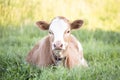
point(58, 45)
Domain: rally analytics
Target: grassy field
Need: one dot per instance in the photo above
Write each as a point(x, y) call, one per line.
point(101, 50)
point(100, 38)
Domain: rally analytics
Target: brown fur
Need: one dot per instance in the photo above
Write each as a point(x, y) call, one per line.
point(42, 55)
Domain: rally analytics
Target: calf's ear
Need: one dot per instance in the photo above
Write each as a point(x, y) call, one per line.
point(76, 24)
point(42, 25)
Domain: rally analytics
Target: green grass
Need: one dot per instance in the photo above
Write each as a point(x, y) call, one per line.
point(101, 50)
point(100, 38)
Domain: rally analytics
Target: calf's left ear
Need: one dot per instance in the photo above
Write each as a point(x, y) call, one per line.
point(42, 25)
point(76, 24)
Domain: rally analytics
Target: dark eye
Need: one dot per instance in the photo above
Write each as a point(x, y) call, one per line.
point(50, 32)
point(68, 31)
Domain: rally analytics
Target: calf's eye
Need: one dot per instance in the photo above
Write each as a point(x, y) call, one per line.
point(50, 32)
point(68, 31)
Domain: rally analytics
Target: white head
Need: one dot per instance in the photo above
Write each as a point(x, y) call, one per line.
point(59, 31)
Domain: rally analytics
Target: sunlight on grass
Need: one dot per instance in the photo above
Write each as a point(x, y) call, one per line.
point(18, 35)
point(102, 14)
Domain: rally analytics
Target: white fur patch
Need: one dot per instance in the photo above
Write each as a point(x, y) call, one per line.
point(80, 46)
point(58, 27)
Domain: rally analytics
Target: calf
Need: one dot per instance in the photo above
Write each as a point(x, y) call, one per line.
point(59, 46)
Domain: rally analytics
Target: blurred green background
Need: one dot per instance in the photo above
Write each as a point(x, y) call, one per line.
point(102, 14)
point(99, 36)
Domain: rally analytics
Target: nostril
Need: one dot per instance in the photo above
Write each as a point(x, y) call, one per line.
point(54, 45)
point(61, 45)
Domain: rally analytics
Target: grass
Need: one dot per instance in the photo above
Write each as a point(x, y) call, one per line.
point(100, 38)
point(101, 50)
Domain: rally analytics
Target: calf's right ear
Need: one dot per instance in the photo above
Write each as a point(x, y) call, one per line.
point(42, 25)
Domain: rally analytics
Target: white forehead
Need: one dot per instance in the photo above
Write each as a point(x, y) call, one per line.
point(58, 25)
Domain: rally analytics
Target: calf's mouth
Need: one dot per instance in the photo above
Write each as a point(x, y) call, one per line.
point(59, 58)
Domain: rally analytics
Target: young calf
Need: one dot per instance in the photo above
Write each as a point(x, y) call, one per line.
point(60, 46)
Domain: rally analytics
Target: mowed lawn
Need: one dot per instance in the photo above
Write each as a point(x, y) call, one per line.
point(101, 50)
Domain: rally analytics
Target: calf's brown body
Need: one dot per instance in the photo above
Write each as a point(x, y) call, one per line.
point(42, 53)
